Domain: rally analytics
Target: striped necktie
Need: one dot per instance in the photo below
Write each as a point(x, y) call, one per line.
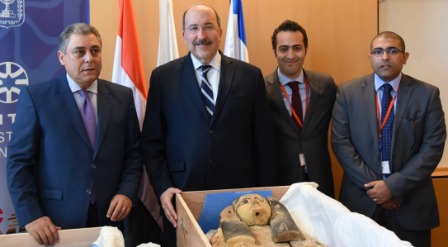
point(206, 89)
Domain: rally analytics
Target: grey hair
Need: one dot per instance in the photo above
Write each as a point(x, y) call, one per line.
point(76, 28)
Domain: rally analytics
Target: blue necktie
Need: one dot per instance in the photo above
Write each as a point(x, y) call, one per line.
point(386, 134)
point(206, 89)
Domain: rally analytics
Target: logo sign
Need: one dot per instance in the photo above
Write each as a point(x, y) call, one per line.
point(12, 13)
point(12, 78)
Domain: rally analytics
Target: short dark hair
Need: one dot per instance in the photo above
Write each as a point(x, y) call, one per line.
point(392, 35)
point(289, 26)
point(218, 20)
point(76, 28)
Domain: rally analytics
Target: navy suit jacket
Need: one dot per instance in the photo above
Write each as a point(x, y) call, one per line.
point(312, 140)
point(183, 148)
point(52, 168)
point(418, 141)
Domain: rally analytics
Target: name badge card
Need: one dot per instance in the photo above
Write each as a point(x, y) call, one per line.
point(302, 161)
point(385, 167)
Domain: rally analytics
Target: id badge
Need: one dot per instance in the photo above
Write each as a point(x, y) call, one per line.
point(302, 161)
point(385, 167)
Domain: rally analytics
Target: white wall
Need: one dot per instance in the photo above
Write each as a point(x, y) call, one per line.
point(423, 24)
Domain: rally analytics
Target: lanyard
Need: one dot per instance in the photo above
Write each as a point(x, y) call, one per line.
point(389, 109)
point(286, 96)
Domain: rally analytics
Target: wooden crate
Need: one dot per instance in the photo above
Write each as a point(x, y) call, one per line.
point(67, 238)
point(189, 207)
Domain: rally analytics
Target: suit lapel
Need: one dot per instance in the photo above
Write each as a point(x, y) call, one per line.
point(314, 98)
point(225, 82)
point(68, 101)
point(276, 95)
point(404, 93)
point(191, 83)
point(368, 98)
point(103, 112)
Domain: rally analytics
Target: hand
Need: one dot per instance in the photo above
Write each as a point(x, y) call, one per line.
point(167, 205)
point(378, 191)
point(120, 206)
point(43, 230)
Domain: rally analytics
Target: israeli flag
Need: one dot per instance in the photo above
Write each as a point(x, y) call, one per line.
point(235, 45)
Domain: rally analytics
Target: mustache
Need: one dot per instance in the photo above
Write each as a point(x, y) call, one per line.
point(203, 42)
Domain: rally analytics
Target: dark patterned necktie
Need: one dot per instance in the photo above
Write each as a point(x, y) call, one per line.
point(386, 134)
point(206, 89)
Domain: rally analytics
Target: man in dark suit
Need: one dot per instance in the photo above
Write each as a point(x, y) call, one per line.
point(388, 133)
point(193, 140)
point(301, 135)
point(62, 171)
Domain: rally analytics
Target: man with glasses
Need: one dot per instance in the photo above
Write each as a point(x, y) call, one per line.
point(388, 133)
point(206, 124)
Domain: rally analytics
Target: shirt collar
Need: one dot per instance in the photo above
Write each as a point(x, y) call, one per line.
point(74, 87)
point(285, 80)
point(395, 83)
point(215, 62)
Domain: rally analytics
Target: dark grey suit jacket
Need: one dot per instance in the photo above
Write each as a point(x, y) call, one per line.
point(417, 145)
point(312, 140)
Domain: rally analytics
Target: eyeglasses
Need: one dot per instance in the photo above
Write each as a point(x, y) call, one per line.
point(390, 51)
point(195, 28)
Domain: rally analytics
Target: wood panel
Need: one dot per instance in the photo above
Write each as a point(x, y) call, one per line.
point(339, 31)
point(439, 235)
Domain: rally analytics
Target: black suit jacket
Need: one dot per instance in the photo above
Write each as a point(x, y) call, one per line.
point(51, 166)
point(418, 141)
point(312, 140)
point(183, 148)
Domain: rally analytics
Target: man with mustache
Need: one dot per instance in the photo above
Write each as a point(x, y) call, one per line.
point(206, 124)
point(388, 133)
point(74, 158)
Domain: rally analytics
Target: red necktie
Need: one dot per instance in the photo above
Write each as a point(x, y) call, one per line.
point(296, 101)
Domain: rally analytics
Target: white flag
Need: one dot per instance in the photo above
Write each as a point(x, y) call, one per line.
point(235, 45)
point(167, 37)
